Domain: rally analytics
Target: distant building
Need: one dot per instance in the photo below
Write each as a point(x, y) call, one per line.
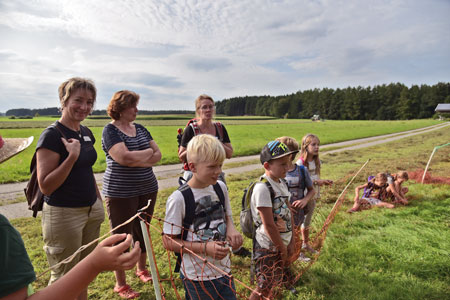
point(442, 108)
point(315, 118)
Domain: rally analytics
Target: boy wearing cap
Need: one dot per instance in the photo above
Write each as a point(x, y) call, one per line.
point(273, 244)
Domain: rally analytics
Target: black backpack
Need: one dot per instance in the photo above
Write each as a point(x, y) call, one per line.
point(189, 216)
point(33, 193)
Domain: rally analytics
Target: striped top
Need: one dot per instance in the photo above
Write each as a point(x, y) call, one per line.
point(122, 181)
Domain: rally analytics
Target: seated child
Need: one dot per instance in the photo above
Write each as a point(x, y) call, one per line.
point(211, 232)
point(273, 245)
point(297, 181)
point(395, 191)
point(374, 195)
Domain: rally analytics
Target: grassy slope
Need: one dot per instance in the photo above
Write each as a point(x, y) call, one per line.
point(376, 254)
point(258, 132)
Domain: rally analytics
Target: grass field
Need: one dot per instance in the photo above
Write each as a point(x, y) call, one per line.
point(402, 253)
point(247, 136)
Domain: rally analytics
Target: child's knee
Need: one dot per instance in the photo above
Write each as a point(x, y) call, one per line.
point(405, 190)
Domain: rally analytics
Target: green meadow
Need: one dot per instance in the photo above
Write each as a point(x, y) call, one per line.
point(248, 135)
point(402, 253)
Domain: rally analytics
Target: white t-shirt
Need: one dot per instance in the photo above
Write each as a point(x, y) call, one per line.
point(282, 214)
point(314, 176)
point(192, 267)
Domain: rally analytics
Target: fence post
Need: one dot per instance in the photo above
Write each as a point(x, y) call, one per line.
point(151, 259)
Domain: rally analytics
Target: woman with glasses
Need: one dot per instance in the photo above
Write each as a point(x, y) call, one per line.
point(205, 111)
point(203, 124)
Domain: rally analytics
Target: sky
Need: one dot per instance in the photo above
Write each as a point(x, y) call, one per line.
point(171, 51)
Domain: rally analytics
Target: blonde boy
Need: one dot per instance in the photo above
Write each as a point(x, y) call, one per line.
point(211, 232)
point(273, 243)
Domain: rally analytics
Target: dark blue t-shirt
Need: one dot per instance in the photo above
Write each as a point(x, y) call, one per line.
point(78, 190)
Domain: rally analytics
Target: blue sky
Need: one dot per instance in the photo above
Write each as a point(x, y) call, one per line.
point(171, 51)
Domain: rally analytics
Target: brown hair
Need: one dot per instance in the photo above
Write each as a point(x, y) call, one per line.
point(401, 174)
point(291, 143)
point(199, 100)
point(120, 101)
point(69, 86)
point(380, 176)
point(304, 155)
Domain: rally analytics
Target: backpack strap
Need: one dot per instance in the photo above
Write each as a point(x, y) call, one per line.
point(220, 194)
point(219, 128)
point(189, 212)
point(194, 126)
point(302, 171)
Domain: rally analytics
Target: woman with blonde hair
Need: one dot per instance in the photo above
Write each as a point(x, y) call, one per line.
point(73, 208)
point(203, 124)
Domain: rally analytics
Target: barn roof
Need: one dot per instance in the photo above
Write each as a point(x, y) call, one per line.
point(443, 107)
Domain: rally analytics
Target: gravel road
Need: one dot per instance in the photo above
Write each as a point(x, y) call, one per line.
point(168, 174)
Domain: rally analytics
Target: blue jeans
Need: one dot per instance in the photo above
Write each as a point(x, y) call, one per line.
point(220, 288)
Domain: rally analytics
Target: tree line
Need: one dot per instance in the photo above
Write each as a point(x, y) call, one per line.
point(394, 101)
point(54, 111)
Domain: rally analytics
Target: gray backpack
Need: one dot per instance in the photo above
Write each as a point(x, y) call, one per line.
point(248, 226)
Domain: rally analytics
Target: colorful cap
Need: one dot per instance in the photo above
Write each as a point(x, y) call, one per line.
point(274, 150)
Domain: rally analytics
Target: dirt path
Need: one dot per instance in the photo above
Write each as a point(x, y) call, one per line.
point(168, 174)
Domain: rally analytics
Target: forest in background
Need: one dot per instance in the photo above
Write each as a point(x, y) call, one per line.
point(394, 101)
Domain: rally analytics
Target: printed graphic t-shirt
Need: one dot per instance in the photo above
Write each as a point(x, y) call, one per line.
point(280, 209)
point(192, 267)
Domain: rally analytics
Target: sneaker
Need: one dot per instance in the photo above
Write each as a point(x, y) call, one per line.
point(302, 257)
point(243, 252)
point(309, 249)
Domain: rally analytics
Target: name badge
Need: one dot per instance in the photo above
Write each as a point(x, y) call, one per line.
point(86, 138)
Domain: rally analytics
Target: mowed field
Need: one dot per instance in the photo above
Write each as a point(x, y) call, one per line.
point(403, 253)
point(248, 135)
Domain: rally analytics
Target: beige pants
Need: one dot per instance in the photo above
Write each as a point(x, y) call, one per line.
point(65, 229)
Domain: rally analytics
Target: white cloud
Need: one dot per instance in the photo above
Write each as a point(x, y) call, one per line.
point(173, 51)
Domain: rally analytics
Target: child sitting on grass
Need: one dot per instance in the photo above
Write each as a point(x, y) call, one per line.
point(273, 245)
point(374, 195)
point(211, 232)
point(298, 180)
point(395, 191)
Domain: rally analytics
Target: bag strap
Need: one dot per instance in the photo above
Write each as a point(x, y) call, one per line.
point(189, 212)
point(269, 186)
point(57, 125)
point(195, 127)
point(54, 125)
point(219, 128)
point(302, 171)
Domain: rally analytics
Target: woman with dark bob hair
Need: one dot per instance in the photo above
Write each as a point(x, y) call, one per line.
point(129, 181)
point(73, 208)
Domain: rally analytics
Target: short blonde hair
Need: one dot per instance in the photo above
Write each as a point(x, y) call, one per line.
point(68, 87)
point(205, 148)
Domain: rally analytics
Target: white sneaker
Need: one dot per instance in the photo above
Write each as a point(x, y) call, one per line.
point(303, 258)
